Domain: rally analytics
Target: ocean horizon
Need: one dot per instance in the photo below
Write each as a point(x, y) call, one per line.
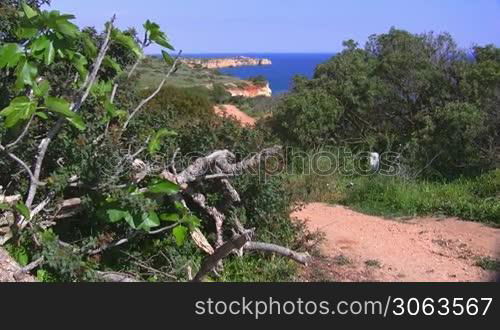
point(280, 74)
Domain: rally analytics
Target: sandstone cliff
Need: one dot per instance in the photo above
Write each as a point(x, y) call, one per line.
point(219, 63)
point(249, 89)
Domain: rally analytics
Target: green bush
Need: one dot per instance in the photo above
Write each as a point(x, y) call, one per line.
point(415, 94)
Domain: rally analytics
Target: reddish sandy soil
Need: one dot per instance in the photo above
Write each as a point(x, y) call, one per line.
point(359, 247)
point(229, 110)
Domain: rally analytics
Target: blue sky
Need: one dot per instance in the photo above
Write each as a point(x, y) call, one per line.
point(235, 26)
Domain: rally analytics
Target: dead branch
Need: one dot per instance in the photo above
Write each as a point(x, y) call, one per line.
point(26, 270)
point(231, 191)
point(302, 258)
point(75, 107)
point(221, 159)
point(222, 252)
point(218, 217)
point(201, 241)
point(116, 277)
point(9, 200)
point(150, 97)
point(33, 179)
point(22, 135)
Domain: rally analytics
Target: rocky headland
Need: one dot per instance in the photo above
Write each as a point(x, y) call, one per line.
point(230, 62)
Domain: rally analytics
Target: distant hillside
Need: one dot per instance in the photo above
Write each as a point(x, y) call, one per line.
point(152, 70)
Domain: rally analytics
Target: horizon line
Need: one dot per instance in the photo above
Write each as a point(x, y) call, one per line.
point(247, 52)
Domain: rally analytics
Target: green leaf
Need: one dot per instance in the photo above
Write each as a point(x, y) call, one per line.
point(26, 32)
point(180, 234)
point(50, 54)
point(23, 210)
point(4, 207)
point(112, 112)
point(41, 90)
point(66, 28)
point(156, 35)
point(167, 58)
point(192, 221)
point(45, 48)
point(170, 217)
point(26, 73)
point(155, 143)
point(127, 42)
point(149, 220)
point(89, 45)
point(111, 63)
point(115, 216)
point(28, 11)
point(21, 108)
point(102, 88)
point(62, 107)
point(164, 187)
point(40, 44)
point(41, 115)
point(80, 63)
point(21, 256)
point(78, 122)
point(10, 54)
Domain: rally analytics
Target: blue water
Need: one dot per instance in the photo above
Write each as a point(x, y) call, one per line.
point(280, 74)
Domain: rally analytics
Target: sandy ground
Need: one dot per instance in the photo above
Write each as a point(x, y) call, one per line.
point(359, 247)
point(229, 110)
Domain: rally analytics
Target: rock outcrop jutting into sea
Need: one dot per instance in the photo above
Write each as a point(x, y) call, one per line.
point(230, 62)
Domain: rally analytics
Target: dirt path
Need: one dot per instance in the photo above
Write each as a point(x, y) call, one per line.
point(229, 110)
point(359, 247)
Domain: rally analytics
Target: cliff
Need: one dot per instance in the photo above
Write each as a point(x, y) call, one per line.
point(219, 63)
point(249, 89)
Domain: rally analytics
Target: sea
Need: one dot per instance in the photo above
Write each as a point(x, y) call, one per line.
point(280, 74)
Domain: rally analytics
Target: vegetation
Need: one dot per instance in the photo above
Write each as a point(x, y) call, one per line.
point(472, 198)
point(418, 95)
point(152, 70)
point(108, 196)
point(116, 166)
point(489, 264)
point(418, 98)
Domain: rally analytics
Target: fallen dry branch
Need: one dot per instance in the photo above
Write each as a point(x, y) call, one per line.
point(116, 277)
point(219, 163)
point(212, 261)
point(302, 258)
point(25, 271)
point(217, 216)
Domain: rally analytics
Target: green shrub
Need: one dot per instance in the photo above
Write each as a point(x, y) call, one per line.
point(415, 94)
point(461, 198)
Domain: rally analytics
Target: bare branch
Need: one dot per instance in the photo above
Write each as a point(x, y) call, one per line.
point(33, 178)
point(302, 258)
point(21, 136)
point(42, 149)
point(217, 216)
point(26, 270)
point(116, 277)
point(205, 166)
point(150, 97)
point(113, 94)
point(131, 72)
point(222, 252)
